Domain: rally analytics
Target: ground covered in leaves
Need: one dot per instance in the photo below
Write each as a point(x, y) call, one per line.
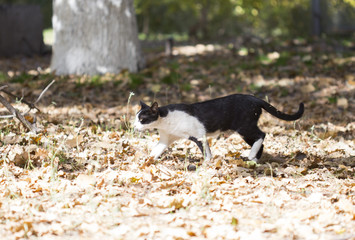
point(87, 174)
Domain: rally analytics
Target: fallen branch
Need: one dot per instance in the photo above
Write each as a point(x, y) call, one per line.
point(30, 105)
point(16, 113)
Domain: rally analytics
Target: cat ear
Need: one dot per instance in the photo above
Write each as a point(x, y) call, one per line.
point(143, 105)
point(154, 107)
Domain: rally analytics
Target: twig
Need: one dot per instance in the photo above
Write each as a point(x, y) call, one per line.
point(19, 116)
point(39, 98)
point(7, 116)
point(30, 105)
point(45, 90)
point(16, 113)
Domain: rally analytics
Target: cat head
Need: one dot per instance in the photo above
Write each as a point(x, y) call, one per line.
point(146, 117)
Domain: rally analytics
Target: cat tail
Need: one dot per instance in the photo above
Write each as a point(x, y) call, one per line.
point(273, 111)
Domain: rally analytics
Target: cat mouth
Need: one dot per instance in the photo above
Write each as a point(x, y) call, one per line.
point(138, 128)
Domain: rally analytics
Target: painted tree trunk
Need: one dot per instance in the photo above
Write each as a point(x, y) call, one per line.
point(95, 37)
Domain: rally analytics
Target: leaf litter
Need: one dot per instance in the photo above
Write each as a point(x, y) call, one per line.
point(88, 174)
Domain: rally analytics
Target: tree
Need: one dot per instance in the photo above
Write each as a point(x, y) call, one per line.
point(95, 37)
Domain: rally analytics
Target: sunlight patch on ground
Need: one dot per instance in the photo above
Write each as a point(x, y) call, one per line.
point(196, 49)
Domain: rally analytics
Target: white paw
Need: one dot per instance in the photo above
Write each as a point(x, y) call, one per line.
point(158, 150)
point(155, 155)
point(208, 157)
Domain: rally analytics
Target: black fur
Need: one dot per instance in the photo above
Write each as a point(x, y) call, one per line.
point(236, 112)
point(148, 114)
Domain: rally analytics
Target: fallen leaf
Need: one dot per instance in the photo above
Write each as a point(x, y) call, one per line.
point(342, 103)
point(149, 161)
point(18, 156)
point(11, 138)
point(235, 221)
point(308, 88)
point(218, 164)
point(74, 141)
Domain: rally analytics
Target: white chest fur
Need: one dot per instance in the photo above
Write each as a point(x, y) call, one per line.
point(181, 124)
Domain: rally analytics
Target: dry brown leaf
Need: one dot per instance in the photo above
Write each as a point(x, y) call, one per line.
point(11, 138)
point(308, 88)
point(149, 161)
point(74, 141)
point(18, 156)
point(218, 164)
point(342, 103)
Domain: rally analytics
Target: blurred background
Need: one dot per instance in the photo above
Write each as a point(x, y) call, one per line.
point(209, 20)
point(219, 47)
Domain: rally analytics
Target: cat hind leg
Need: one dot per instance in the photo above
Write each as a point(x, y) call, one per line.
point(207, 153)
point(255, 139)
point(256, 150)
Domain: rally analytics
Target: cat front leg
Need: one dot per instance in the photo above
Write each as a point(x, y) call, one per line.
point(158, 150)
point(164, 142)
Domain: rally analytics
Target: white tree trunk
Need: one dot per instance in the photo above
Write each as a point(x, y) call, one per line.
point(95, 37)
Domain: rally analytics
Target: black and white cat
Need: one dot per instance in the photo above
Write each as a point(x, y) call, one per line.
point(236, 112)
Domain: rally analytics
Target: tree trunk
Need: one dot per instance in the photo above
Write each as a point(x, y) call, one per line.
point(95, 37)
